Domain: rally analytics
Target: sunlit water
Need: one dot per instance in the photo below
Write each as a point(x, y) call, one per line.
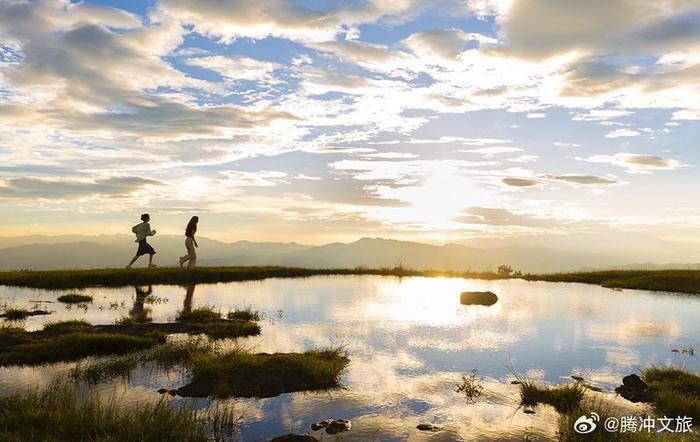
point(409, 340)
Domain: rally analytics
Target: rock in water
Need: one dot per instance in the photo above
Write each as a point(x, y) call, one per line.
point(338, 426)
point(323, 424)
point(428, 427)
point(294, 438)
point(634, 389)
point(478, 298)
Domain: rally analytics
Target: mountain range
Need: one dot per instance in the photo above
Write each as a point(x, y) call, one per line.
point(76, 251)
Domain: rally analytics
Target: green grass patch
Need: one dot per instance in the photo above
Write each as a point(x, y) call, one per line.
point(57, 414)
point(74, 298)
point(72, 279)
point(74, 346)
point(563, 398)
point(244, 314)
point(67, 327)
point(243, 374)
point(200, 314)
point(676, 392)
point(227, 329)
point(681, 281)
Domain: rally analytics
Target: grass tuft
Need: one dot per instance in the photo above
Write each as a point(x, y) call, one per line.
point(200, 314)
point(67, 326)
point(16, 314)
point(57, 414)
point(563, 398)
point(245, 314)
point(74, 298)
point(676, 392)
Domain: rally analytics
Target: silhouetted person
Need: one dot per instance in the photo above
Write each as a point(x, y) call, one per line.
point(190, 244)
point(143, 231)
point(138, 313)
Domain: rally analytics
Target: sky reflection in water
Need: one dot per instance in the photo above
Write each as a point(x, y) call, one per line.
point(409, 340)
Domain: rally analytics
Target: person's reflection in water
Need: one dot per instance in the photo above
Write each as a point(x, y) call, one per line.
point(189, 294)
point(138, 312)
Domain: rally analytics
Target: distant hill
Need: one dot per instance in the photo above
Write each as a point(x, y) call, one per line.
point(75, 251)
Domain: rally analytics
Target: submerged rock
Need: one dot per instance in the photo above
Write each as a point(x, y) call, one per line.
point(294, 438)
point(338, 426)
point(323, 424)
point(428, 427)
point(634, 389)
point(332, 426)
point(478, 298)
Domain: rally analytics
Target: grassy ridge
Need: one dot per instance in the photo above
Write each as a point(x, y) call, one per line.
point(70, 279)
point(681, 281)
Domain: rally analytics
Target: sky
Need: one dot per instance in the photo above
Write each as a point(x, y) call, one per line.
point(548, 122)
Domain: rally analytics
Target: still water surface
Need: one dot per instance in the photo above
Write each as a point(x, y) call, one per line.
point(409, 340)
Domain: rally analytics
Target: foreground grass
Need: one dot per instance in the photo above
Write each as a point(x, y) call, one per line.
point(563, 398)
point(242, 374)
point(682, 281)
point(605, 409)
point(70, 279)
point(57, 414)
point(676, 392)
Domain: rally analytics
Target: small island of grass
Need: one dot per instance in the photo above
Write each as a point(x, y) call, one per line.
point(74, 298)
point(242, 374)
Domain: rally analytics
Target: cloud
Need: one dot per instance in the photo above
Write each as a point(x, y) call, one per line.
point(493, 150)
point(448, 44)
point(520, 182)
point(600, 115)
point(504, 217)
point(571, 25)
point(69, 188)
point(237, 67)
point(584, 180)
point(228, 20)
point(636, 162)
point(624, 132)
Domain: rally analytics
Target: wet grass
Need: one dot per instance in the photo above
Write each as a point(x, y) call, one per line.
point(244, 314)
point(242, 374)
point(163, 356)
point(67, 327)
point(75, 345)
point(681, 281)
point(207, 320)
point(200, 314)
point(676, 392)
point(57, 414)
point(227, 329)
point(563, 398)
point(74, 298)
point(20, 314)
point(72, 279)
